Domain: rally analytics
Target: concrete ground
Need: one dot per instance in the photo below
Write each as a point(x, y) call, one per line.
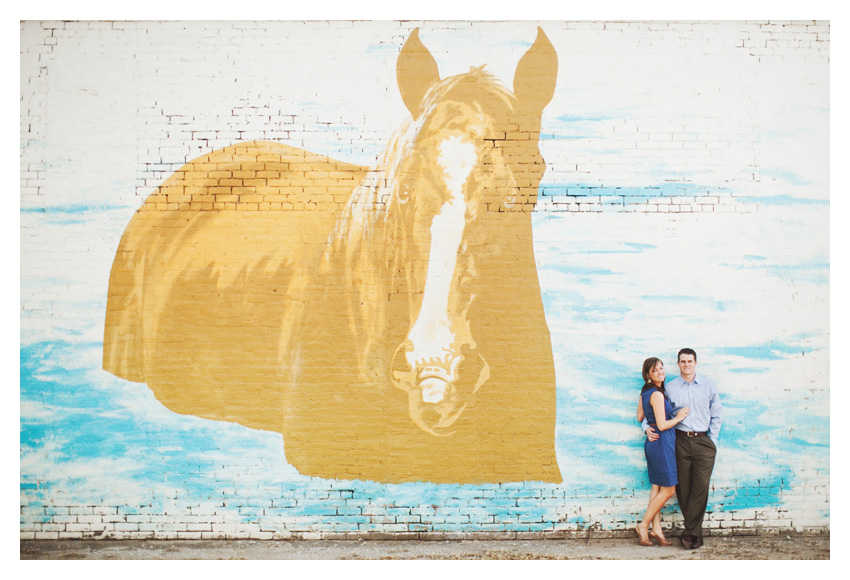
point(716, 548)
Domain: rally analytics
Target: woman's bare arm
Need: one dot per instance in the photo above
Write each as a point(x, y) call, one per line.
point(657, 402)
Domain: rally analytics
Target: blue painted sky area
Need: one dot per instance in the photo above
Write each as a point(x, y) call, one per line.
point(72, 209)
point(785, 201)
point(90, 438)
point(629, 292)
point(661, 189)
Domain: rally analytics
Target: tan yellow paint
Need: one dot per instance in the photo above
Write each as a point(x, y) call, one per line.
point(275, 288)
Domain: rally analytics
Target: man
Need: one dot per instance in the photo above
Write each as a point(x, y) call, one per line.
point(696, 442)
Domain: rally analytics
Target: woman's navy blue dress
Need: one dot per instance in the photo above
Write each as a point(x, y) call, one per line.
point(661, 453)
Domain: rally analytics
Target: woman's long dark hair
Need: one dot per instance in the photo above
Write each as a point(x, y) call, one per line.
point(648, 365)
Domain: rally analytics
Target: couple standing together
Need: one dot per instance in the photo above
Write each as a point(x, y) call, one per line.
point(682, 421)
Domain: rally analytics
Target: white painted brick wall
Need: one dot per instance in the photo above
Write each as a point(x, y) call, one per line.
point(177, 90)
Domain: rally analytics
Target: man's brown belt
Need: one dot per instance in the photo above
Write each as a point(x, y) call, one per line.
point(692, 433)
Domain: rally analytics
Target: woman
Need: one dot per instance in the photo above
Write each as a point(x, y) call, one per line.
point(661, 453)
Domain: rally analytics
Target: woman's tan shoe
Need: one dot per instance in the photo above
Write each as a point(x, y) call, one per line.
point(643, 537)
point(661, 540)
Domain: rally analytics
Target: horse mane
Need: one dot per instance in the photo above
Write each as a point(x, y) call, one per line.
point(373, 199)
point(365, 238)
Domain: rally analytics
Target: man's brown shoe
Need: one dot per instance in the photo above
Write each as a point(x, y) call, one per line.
point(687, 542)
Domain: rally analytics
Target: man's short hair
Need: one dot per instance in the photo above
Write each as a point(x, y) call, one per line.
point(686, 351)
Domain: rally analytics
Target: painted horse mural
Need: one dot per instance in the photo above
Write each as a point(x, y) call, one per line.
point(387, 321)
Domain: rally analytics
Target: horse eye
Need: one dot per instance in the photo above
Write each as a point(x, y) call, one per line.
point(403, 195)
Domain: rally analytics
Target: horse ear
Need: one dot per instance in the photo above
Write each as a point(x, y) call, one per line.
point(416, 72)
point(536, 73)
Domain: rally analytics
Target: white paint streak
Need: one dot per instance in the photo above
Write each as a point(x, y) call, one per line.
point(431, 334)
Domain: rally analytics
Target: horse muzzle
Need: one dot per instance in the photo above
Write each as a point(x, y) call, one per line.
point(438, 391)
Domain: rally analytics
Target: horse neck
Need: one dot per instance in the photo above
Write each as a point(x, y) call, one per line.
point(513, 230)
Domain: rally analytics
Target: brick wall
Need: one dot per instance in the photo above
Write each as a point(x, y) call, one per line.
point(666, 141)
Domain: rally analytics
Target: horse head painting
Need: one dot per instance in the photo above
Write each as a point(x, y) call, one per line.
point(387, 321)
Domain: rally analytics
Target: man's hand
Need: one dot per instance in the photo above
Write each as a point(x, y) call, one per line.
point(651, 434)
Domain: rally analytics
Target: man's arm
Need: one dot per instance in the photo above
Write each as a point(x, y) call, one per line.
point(715, 409)
point(651, 434)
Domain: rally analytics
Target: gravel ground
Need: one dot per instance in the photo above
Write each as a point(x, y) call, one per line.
point(718, 548)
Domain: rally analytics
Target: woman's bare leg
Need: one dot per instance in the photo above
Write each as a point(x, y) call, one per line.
point(656, 502)
point(656, 521)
